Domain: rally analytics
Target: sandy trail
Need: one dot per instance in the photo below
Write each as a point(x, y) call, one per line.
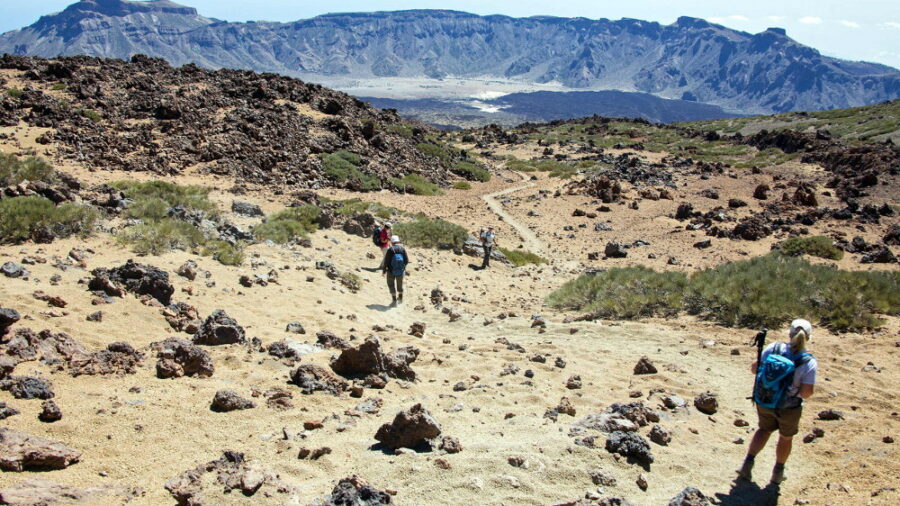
point(532, 243)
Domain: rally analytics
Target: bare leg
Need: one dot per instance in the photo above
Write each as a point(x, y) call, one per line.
point(783, 450)
point(760, 438)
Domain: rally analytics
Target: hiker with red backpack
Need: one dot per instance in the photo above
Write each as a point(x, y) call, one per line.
point(381, 236)
point(394, 268)
point(785, 375)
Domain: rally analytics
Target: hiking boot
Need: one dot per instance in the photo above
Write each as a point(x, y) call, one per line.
point(778, 475)
point(746, 470)
point(393, 300)
point(400, 298)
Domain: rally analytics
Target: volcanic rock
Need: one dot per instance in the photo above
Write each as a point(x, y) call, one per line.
point(134, 278)
point(7, 411)
point(27, 387)
point(644, 366)
point(219, 328)
point(246, 209)
point(8, 317)
point(182, 317)
point(690, 496)
point(660, 436)
point(409, 429)
point(180, 357)
point(117, 358)
point(20, 451)
point(707, 403)
point(417, 329)
point(354, 491)
point(50, 348)
point(368, 359)
point(227, 400)
point(50, 412)
point(615, 250)
point(329, 340)
point(312, 378)
point(232, 472)
point(13, 270)
point(630, 445)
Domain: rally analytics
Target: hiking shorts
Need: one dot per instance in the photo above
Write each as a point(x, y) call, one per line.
point(785, 421)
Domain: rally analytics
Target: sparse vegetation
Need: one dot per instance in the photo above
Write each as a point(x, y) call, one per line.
point(416, 184)
point(520, 257)
point(401, 129)
point(58, 86)
point(471, 171)
point(764, 291)
point(24, 218)
point(289, 225)
point(352, 207)
point(91, 115)
point(224, 252)
point(155, 237)
point(817, 246)
point(14, 92)
point(343, 166)
point(434, 150)
point(14, 170)
point(427, 233)
point(553, 167)
point(462, 185)
point(147, 197)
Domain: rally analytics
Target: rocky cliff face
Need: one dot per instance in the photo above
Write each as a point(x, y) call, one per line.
point(689, 59)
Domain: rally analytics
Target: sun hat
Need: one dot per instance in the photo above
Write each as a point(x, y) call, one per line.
point(388, 224)
point(395, 239)
point(801, 324)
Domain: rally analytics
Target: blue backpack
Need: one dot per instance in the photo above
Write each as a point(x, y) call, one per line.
point(775, 375)
point(398, 265)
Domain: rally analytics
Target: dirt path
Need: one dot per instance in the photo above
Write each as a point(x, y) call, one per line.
point(532, 243)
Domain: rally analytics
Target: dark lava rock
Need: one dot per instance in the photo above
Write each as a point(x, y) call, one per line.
point(705, 243)
point(353, 491)
point(295, 328)
point(882, 255)
point(312, 378)
point(831, 414)
point(707, 403)
point(180, 357)
point(710, 194)
point(736, 203)
point(690, 496)
point(450, 444)
point(50, 348)
point(227, 400)
point(134, 278)
point(219, 328)
point(50, 412)
point(329, 340)
point(281, 349)
point(684, 211)
point(615, 250)
point(574, 382)
point(630, 445)
point(636, 412)
point(8, 317)
point(117, 358)
point(368, 359)
point(892, 237)
point(417, 329)
point(20, 451)
point(660, 436)
point(188, 270)
point(13, 270)
point(182, 317)
point(410, 429)
point(246, 209)
point(644, 366)
point(752, 228)
point(7, 411)
point(27, 387)
point(761, 192)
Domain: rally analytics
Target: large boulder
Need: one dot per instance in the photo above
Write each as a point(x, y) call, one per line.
point(135, 278)
point(219, 328)
point(409, 429)
point(52, 349)
point(117, 358)
point(246, 209)
point(630, 445)
point(20, 451)
point(312, 378)
point(8, 317)
point(227, 400)
point(179, 357)
point(368, 359)
point(28, 387)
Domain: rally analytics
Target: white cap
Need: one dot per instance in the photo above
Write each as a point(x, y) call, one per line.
point(395, 239)
point(388, 224)
point(801, 324)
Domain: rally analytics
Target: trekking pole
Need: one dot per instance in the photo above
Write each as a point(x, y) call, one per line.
point(760, 342)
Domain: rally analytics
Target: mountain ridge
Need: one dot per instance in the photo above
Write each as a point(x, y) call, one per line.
point(690, 59)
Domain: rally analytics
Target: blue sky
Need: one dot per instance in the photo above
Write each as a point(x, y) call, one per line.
point(852, 29)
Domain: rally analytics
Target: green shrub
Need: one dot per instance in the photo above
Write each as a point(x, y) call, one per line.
point(426, 233)
point(401, 129)
point(520, 257)
point(192, 198)
point(351, 281)
point(416, 184)
point(223, 252)
point(471, 171)
point(14, 170)
point(462, 185)
point(286, 226)
point(23, 218)
point(58, 86)
point(817, 246)
point(158, 237)
point(764, 291)
point(433, 150)
point(14, 92)
point(352, 207)
point(91, 115)
point(342, 166)
point(623, 293)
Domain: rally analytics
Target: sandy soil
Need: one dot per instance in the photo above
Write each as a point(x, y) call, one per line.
point(142, 438)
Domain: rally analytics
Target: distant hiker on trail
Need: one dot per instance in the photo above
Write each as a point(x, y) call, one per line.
point(487, 241)
point(381, 236)
point(785, 375)
point(394, 267)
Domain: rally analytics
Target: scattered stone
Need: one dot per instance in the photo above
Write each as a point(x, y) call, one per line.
point(887, 439)
point(118, 358)
point(642, 482)
point(246, 209)
point(602, 478)
point(312, 378)
point(707, 403)
point(409, 429)
point(96, 316)
point(13, 270)
point(368, 359)
point(740, 422)
point(227, 400)
point(831, 415)
point(644, 366)
point(690, 496)
point(50, 412)
point(180, 357)
point(704, 244)
point(354, 491)
point(574, 382)
point(8, 318)
point(295, 328)
point(813, 435)
point(329, 340)
point(761, 192)
point(630, 445)
point(7, 411)
point(560, 363)
point(673, 402)
point(219, 328)
point(27, 387)
point(316, 454)
point(450, 445)
point(417, 329)
point(517, 461)
point(615, 250)
point(20, 451)
point(188, 270)
point(182, 317)
point(232, 472)
point(134, 278)
point(635, 412)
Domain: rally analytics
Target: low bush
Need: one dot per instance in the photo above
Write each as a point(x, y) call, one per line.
point(817, 246)
point(462, 185)
point(416, 184)
point(427, 233)
point(223, 252)
point(24, 218)
point(520, 257)
point(765, 291)
point(471, 171)
point(155, 237)
point(14, 92)
point(286, 226)
point(58, 86)
point(434, 151)
point(150, 196)
point(343, 166)
point(401, 129)
point(91, 115)
point(352, 207)
point(14, 170)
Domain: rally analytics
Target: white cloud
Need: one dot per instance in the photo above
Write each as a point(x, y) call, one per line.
point(738, 17)
point(776, 19)
point(892, 24)
point(849, 24)
point(811, 20)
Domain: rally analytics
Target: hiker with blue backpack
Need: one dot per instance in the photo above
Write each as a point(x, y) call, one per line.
point(785, 375)
point(394, 268)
